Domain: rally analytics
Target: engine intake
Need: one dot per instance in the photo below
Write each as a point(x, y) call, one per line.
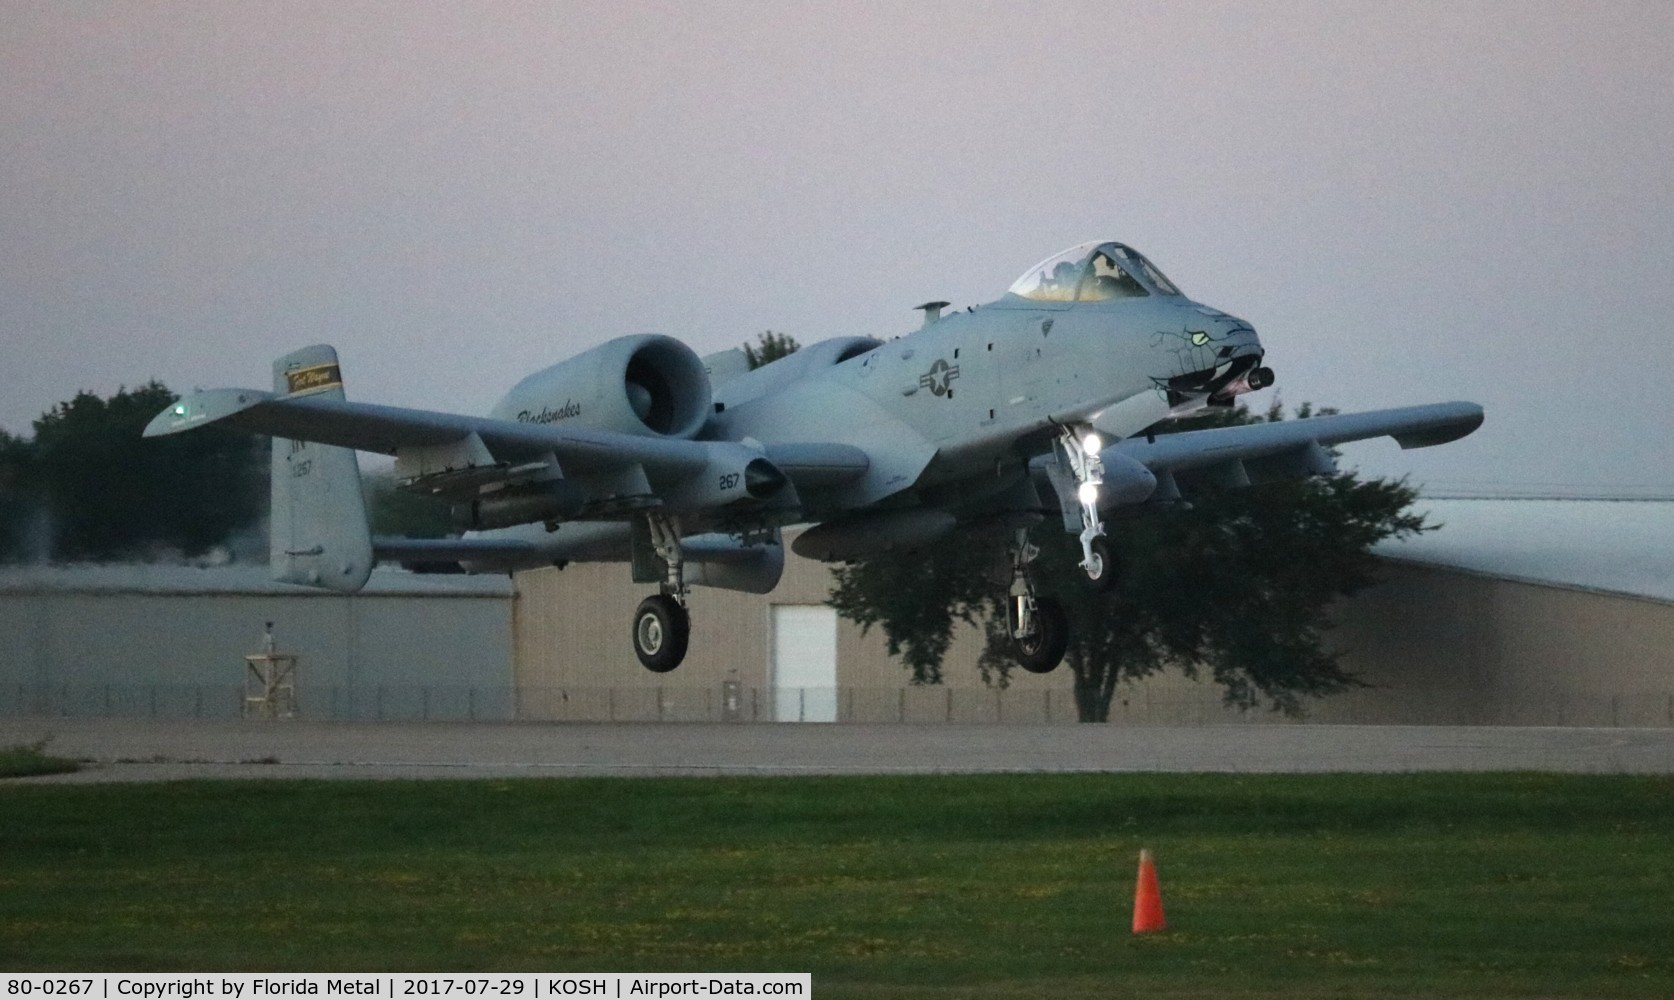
point(646, 384)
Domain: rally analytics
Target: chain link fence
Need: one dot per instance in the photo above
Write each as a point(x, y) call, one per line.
point(733, 702)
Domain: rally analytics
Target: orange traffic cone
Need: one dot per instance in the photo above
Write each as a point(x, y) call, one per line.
point(1147, 898)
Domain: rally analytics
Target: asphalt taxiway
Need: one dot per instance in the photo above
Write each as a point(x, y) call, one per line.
point(158, 750)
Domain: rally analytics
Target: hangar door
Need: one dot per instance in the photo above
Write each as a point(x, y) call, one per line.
point(804, 663)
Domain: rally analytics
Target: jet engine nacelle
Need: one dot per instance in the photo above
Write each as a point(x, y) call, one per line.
point(647, 384)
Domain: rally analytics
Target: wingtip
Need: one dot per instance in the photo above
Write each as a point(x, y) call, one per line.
point(1459, 419)
point(169, 421)
point(204, 406)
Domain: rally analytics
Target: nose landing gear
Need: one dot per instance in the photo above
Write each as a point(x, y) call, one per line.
point(1081, 448)
point(1100, 566)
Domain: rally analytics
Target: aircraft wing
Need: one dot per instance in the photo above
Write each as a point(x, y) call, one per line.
point(390, 429)
point(454, 454)
point(1294, 447)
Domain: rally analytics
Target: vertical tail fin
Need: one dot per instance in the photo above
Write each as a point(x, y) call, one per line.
point(320, 535)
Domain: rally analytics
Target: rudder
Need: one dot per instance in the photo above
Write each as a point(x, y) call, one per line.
point(319, 533)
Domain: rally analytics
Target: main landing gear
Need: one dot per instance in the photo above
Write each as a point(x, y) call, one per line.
point(662, 626)
point(1036, 623)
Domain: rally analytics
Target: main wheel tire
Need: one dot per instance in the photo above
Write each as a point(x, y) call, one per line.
point(661, 630)
point(1104, 570)
point(1042, 652)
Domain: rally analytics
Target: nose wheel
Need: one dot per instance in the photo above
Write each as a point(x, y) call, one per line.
point(1086, 472)
point(1101, 567)
point(661, 630)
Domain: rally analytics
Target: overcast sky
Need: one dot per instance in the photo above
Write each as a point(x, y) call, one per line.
point(1411, 202)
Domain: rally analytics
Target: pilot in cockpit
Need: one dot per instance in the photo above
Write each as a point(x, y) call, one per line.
point(1106, 280)
point(1062, 283)
point(1092, 272)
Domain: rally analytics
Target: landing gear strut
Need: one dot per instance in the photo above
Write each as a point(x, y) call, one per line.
point(662, 626)
point(1039, 631)
point(1082, 447)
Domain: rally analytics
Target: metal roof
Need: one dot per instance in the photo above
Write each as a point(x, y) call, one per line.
point(154, 579)
point(1621, 546)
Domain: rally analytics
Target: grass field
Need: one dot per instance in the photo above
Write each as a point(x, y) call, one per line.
point(28, 759)
point(984, 886)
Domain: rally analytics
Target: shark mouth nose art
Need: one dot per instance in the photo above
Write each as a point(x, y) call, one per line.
point(1230, 378)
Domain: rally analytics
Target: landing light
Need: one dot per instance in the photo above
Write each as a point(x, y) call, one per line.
point(1088, 493)
point(1092, 444)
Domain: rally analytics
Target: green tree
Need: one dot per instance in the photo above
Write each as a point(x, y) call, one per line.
point(1235, 586)
point(110, 494)
point(19, 501)
point(768, 347)
point(395, 511)
point(917, 597)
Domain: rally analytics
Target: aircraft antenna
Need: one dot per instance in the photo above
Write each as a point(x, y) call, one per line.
point(932, 311)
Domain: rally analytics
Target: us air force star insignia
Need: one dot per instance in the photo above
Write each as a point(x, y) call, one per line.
point(939, 379)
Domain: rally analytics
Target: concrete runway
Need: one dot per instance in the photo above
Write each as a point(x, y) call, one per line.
point(157, 750)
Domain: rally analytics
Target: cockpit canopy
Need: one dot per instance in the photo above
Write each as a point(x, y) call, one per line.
point(1093, 272)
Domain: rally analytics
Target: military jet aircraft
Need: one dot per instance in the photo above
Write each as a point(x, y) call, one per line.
point(688, 468)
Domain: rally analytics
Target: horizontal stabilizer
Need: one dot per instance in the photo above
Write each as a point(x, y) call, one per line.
point(506, 553)
point(712, 560)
